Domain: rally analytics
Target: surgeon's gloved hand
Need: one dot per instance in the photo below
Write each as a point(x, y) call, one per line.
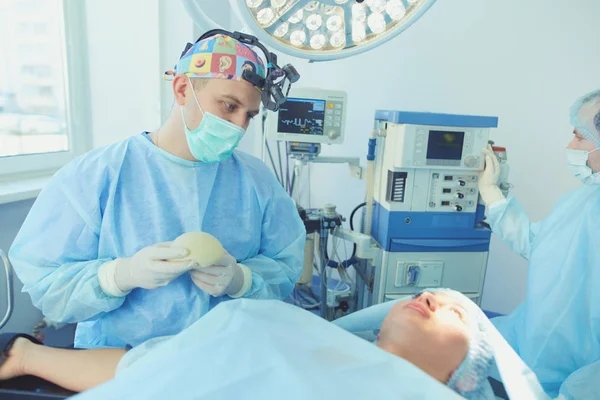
point(149, 268)
point(225, 277)
point(488, 179)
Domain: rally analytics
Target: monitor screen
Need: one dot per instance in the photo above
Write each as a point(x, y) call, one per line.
point(445, 145)
point(301, 116)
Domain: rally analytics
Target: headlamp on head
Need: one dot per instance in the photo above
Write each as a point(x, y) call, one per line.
point(276, 84)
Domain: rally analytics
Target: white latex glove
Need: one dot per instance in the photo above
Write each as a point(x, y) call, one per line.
point(488, 179)
point(149, 268)
point(225, 277)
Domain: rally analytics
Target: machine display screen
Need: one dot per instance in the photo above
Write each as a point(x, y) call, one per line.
point(445, 145)
point(301, 116)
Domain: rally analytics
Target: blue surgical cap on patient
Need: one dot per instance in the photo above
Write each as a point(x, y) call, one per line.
point(470, 379)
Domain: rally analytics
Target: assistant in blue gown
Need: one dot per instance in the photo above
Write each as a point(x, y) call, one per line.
point(556, 330)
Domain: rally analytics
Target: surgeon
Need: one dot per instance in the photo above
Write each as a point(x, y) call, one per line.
point(556, 330)
point(95, 248)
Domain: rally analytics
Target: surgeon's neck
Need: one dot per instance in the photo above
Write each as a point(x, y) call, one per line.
point(171, 137)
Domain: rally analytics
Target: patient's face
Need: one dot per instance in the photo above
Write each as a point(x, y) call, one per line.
point(431, 331)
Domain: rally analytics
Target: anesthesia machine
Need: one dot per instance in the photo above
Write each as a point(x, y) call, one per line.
point(423, 221)
point(426, 216)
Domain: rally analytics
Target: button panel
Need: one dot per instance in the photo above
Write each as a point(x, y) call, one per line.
point(334, 111)
point(453, 191)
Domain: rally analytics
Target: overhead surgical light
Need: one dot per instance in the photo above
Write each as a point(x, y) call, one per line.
point(318, 30)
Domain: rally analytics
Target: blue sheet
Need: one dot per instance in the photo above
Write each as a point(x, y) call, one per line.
point(253, 349)
point(266, 349)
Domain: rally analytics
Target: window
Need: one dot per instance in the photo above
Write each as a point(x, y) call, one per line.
point(44, 115)
point(39, 71)
point(24, 28)
point(40, 28)
point(27, 5)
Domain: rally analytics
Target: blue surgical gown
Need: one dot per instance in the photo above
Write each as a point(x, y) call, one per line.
point(556, 330)
point(116, 200)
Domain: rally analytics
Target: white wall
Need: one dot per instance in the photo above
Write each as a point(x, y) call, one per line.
point(124, 67)
point(524, 62)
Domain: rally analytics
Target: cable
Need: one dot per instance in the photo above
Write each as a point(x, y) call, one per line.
point(347, 276)
point(287, 167)
point(324, 236)
point(352, 260)
point(317, 254)
point(296, 182)
point(306, 290)
point(344, 283)
point(307, 298)
point(334, 249)
point(345, 250)
point(304, 297)
point(283, 182)
point(308, 167)
point(311, 294)
point(291, 193)
point(344, 271)
point(358, 207)
point(338, 286)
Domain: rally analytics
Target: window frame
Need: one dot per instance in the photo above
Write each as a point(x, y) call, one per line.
point(77, 87)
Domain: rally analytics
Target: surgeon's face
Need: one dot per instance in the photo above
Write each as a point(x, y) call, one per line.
point(430, 331)
point(234, 101)
point(579, 142)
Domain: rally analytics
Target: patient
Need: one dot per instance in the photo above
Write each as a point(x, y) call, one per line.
point(438, 331)
point(443, 335)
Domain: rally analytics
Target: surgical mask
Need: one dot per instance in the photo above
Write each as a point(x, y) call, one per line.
point(214, 139)
point(577, 161)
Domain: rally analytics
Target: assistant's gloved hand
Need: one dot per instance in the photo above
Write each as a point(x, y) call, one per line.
point(488, 179)
point(226, 276)
point(149, 268)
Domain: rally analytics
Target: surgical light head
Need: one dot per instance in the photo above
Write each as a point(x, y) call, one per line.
point(318, 30)
point(328, 29)
point(585, 116)
point(228, 55)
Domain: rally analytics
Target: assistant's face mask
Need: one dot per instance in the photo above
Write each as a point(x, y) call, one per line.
point(577, 162)
point(214, 139)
